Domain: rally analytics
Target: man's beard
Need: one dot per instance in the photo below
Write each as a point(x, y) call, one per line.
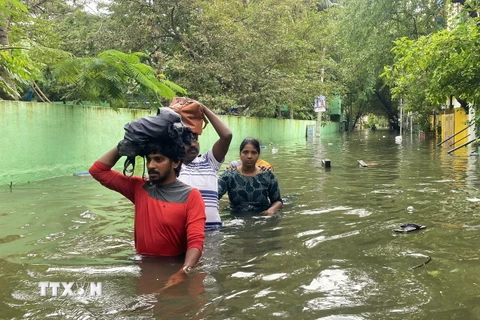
point(191, 153)
point(158, 177)
point(192, 149)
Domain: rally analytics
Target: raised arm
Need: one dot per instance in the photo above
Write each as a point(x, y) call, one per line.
point(102, 171)
point(110, 158)
point(220, 148)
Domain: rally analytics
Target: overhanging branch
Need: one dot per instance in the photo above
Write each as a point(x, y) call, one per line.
point(12, 48)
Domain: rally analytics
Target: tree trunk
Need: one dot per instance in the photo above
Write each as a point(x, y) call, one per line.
point(463, 104)
point(386, 102)
point(278, 112)
point(3, 31)
point(394, 125)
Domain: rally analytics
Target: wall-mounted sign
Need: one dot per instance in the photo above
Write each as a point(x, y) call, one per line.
point(320, 104)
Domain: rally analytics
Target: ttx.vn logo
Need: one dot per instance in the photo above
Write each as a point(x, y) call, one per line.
point(64, 289)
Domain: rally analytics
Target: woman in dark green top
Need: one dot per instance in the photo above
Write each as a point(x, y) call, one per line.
point(249, 188)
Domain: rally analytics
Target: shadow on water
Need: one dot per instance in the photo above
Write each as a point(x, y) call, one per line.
point(331, 254)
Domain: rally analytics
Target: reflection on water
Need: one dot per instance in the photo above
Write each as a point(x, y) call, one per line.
point(331, 254)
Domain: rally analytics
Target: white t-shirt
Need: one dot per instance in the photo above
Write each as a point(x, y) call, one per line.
point(202, 173)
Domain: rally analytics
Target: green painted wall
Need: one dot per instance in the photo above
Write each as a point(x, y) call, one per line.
point(330, 127)
point(41, 140)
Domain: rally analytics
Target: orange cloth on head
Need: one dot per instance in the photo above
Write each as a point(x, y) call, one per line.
point(264, 163)
point(191, 112)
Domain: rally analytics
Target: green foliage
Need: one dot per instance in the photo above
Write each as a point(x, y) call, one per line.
point(261, 55)
point(16, 71)
point(82, 34)
point(14, 10)
point(114, 77)
point(256, 56)
point(383, 122)
point(364, 35)
point(15, 66)
point(371, 120)
point(429, 70)
point(27, 45)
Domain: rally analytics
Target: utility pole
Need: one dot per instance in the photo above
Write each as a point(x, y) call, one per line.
point(401, 116)
point(320, 105)
point(398, 139)
point(411, 122)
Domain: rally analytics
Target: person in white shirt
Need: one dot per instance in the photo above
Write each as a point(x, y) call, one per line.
point(201, 171)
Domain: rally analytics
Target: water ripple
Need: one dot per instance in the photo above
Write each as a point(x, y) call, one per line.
point(340, 208)
point(313, 242)
point(92, 270)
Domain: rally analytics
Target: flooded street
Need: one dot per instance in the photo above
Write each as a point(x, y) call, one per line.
point(331, 254)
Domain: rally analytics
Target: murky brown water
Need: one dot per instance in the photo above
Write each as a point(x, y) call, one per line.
point(331, 255)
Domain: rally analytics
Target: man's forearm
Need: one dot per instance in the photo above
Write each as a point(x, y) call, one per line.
point(220, 148)
point(222, 130)
point(191, 259)
point(110, 158)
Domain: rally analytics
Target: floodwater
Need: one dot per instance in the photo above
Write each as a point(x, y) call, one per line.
point(331, 254)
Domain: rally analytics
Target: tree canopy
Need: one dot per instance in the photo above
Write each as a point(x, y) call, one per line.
point(262, 57)
point(429, 70)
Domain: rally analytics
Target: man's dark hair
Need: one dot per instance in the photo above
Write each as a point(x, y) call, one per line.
point(173, 151)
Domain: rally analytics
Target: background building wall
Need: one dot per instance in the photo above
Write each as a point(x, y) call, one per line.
point(41, 140)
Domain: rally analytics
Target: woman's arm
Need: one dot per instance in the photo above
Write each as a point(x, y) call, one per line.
point(274, 196)
point(272, 209)
point(223, 183)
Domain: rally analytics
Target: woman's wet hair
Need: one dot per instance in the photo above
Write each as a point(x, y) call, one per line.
point(173, 151)
point(254, 142)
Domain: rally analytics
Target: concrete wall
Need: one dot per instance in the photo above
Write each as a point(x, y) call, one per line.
point(330, 127)
point(41, 140)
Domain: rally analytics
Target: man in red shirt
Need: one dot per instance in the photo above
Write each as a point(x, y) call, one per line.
point(169, 215)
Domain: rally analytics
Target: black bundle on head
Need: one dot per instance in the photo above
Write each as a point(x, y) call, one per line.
point(164, 129)
point(187, 136)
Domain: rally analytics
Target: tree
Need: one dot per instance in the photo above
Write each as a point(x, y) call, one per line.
point(15, 65)
point(114, 77)
point(252, 55)
point(428, 71)
point(365, 34)
point(27, 42)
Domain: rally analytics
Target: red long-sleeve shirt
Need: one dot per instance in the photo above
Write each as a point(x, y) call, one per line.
point(169, 219)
